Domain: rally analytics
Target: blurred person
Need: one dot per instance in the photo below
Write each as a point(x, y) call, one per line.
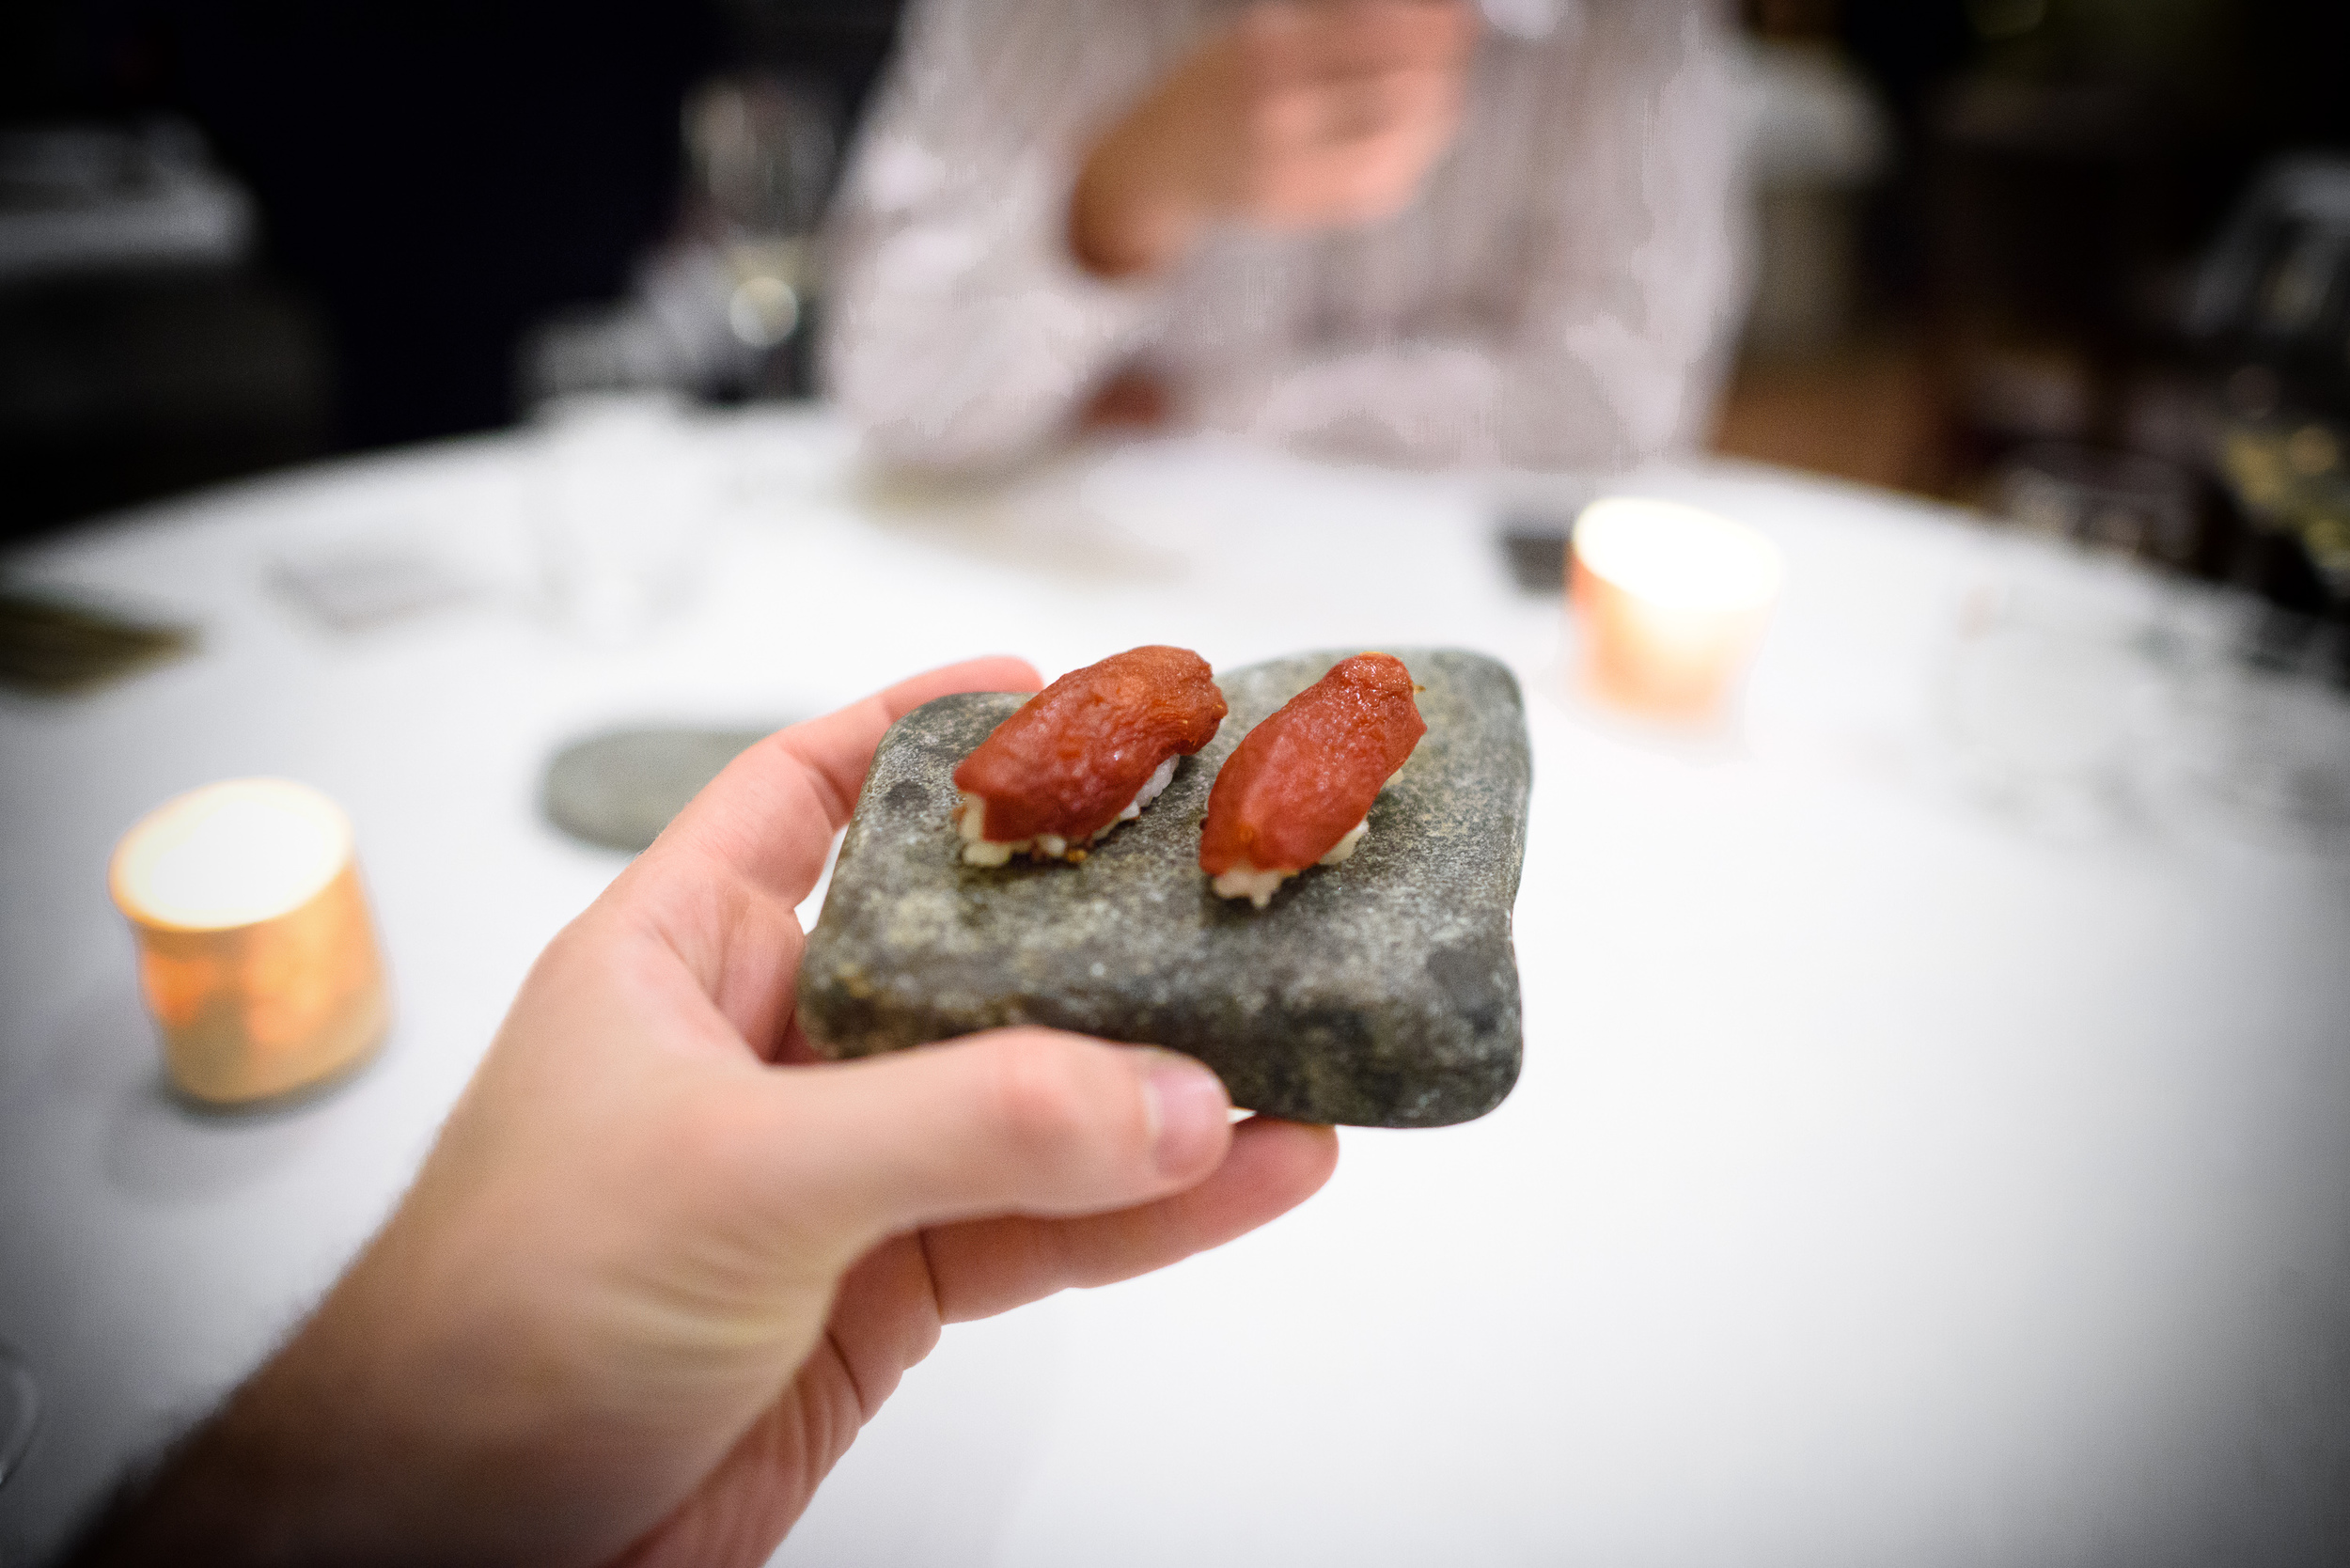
point(1370, 227)
point(660, 1267)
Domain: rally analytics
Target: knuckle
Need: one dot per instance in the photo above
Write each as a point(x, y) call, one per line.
point(1045, 1098)
point(1267, 122)
point(1261, 61)
point(1264, 193)
point(1389, 101)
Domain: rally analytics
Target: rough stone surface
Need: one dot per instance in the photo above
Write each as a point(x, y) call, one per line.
point(619, 789)
point(1381, 992)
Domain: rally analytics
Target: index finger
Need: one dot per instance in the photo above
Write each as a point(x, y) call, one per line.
point(838, 748)
point(771, 813)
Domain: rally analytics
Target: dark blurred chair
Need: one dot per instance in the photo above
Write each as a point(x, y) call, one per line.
point(141, 351)
point(2271, 316)
point(421, 183)
point(2123, 501)
point(2274, 293)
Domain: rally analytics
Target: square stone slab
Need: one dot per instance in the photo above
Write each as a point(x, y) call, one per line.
point(1381, 992)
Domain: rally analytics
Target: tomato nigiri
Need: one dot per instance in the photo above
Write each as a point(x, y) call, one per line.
point(1087, 752)
point(1298, 791)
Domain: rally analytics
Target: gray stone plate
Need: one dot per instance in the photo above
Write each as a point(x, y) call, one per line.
point(619, 790)
point(1381, 992)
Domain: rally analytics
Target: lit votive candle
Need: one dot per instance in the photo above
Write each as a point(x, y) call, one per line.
point(257, 954)
point(1672, 601)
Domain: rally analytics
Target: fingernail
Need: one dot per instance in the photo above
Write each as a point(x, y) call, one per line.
point(1187, 1108)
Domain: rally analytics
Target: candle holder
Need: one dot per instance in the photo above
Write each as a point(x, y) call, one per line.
point(1670, 600)
point(258, 957)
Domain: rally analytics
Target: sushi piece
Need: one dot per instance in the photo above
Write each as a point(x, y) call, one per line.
point(1087, 752)
point(1298, 788)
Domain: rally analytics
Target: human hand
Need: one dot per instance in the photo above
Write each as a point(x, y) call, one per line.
point(660, 1267)
point(1133, 399)
point(1298, 116)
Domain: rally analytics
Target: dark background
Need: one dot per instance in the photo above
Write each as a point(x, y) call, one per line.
point(436, 175)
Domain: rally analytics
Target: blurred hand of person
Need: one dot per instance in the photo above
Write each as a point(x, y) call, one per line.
point(1300, 115)
point(660, 1266)
point(1133, 399)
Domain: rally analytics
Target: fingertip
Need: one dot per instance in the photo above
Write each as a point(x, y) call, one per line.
point(1009, 673)
point(1304, 1155)
point(995, 672)
point(1189, 1115)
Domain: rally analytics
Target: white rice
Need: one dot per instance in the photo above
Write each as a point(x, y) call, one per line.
point(1247, 881)
point(1151, 789)
point(1345, 846)
point(980, 849)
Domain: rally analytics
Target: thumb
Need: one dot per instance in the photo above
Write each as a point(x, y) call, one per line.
point(1025, 1122)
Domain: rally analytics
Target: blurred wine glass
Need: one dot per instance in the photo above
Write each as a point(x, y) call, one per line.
point(620, 507)
point(725, 307)
point(761, 150)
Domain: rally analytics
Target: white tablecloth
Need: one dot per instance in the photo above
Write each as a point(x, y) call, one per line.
point(1895, 1178)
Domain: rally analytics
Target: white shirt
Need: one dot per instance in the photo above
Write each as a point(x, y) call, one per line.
point(1561, 293)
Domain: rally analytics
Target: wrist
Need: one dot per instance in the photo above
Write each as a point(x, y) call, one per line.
point(233, 1492)
point(366, 1438)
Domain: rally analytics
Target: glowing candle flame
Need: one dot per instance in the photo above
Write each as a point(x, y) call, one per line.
point(257, 954)
point(231, 853)
point(1671, 599)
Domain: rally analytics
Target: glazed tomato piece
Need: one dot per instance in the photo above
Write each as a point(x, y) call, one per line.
point(1298, 782)
point(1069, 761)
